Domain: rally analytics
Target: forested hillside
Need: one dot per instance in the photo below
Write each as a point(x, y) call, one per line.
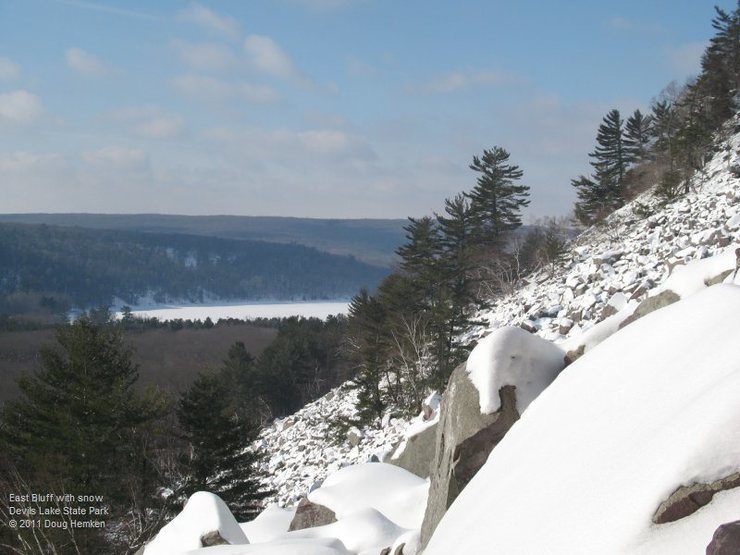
point(90, 267)
point(372, 241)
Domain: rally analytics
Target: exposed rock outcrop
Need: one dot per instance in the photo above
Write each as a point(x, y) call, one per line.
point(464, 439)
point(310, 515)
point(726, 540)
point(212, 538)
point(651, 304)
point(689, 499)
point(418, 455)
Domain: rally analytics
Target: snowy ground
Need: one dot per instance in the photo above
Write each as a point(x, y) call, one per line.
point(624, 259)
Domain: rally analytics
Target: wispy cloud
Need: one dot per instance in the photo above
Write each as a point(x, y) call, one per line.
point(211, 21)
point(205, 56)
point(461, 80)
point(8, 69)
point(212, 89)
point(151, 122)
point(84, 62)
point(265, 55)
point(122, 158)
point(19, 107)
point(324, 4)
point(111, 10)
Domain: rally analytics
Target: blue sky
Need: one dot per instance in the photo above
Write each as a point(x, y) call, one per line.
point(319, 108)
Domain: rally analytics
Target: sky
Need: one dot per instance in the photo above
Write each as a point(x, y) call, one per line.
point(319, 108)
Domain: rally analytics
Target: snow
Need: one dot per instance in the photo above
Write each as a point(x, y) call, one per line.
point(241, 310)
point(583, 471)
point(272, 522)
point(512, 356)
point(364, 531)
point(690, 278)
point(315, 546)
point(203, 513)
point(396, 493)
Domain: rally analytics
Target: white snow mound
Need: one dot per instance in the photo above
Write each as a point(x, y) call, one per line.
point(396, 493)
point(512, 356)
point(653, 407)
point(269, 524)
point(300, 546)
point(203, 513)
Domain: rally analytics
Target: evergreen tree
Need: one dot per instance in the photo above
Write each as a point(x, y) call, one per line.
point(80, 427)
point(637, 134)
point(497, 199)
point(220, 459)
point(604, 192)
point(368, 346)
point(664, 129)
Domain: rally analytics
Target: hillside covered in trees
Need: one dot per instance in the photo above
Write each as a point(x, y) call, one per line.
point(86, 267)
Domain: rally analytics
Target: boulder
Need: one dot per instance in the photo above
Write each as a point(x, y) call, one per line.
point(651, 304)
point(418, 454)
point(687, 500)
point(310, 515)
point(212, 538)
point(463, 440)
point(726, 540)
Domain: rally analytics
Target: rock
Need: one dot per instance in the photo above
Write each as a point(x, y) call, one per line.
point(399, 549)
point(687, 500)
point(571, 356)
point(607, 311)
point(717, 279)
point(651, 304)
point(726, 540)
point(386, 551)
point(464, 439)
point(418, 455)
point(565, 326)
point(310, 515)
point(212, 538)
point(528, 326)
point(354, 436)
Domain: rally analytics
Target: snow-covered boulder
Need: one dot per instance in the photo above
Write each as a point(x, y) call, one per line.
point(394, 492)
point(205, 520)
point(415, 453)
point(269, 524)
point(651, 409)
point(484, 398)
point(309, 515)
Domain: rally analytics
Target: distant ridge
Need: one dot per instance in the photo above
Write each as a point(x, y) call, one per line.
point(369, 240)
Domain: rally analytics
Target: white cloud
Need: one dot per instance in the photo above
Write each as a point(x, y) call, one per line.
point(160, 127)
point(461, 80)
point(210, 20)
point(8, 69)
point(118, 158)
point(211, 89)
point(19, 107)
point(22, 162)
point(621, 23)
point(266, 56)
point(322, 4)
point(84, 62)
point(206, 56)
point(686, 59)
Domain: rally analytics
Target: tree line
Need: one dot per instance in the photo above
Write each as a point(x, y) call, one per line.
point(82, 427)
point(673, 142)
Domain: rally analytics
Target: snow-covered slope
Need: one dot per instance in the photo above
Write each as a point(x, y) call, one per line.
point(627, 257)
point(652, 408)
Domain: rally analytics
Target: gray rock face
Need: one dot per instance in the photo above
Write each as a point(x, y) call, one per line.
point(212, 538)
point(689, 499)
point(308, 515)
point(651, 304)
point(464, 439)
point(726, 540)
point(418, 455)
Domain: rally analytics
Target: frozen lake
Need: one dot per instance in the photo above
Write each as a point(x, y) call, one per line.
point(316, 309)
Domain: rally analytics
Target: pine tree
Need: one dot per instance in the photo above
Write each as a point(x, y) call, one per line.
point(220, 459)
point(604, 192)
point(637, 134)
point(368, 345)
point(497, 199)
point(80, 427)
point(664, 129)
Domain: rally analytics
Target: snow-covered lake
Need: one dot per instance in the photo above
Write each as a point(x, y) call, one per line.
point(249, 310)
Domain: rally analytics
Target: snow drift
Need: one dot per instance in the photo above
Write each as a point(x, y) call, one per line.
point(650, 409)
